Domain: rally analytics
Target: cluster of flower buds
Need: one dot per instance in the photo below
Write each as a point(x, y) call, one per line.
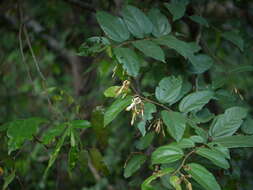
point(238, 93)
point(123, 89)
point(157, 125)
point(187, 183)
point(137, 108)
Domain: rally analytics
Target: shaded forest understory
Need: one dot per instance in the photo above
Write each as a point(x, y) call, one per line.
point(126, 95)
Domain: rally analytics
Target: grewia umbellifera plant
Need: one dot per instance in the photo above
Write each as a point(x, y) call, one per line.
point(184, 141)
point(177, 109)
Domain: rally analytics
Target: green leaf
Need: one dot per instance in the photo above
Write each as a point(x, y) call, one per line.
point(197, 139)
point(202, 176)
point(79, 124)
point(128, 59)
point(161, 25)
point(200, 20)
point(72, 135)
point(83, 159)
point(175, 123)
point(177, 8)
point(186, 87)
point(220, 149)
point(99, 39)
point(237, 141)
point(247, 126)
point(186, 143)
point(225, 97)
point(145, 141)
point(72, 158)
point(21, 130)
point(203, 116)
point(137, 22)
point(8, 179)
point(142, 127)
point(93, 46)
point(134, 165)
point(169, 89)
point(53, 132)
point(194, 47)
point(195, 101)
point(228, 123)
point(114, 27)
point(185, 49)
point(116, 107)
point(235, 38)
point(97, 122)
point(146, 184)
point(55, 153)
point(240, 68)
point(166, 154)
point(218, 82)
point(98, 161)
point(150, 49)
point(149, 109)
point(214, 156)
point(198, 130)
point(175, 181)
point(111, 92)
point(200, 63)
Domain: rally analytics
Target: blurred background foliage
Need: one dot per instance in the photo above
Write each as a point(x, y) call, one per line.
point(41, 74)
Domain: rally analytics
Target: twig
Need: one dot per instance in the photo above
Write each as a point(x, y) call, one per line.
point(183, 162)
point(94, 171)
point(128, 158)
point(149, 100)
point(73, 59)
point(96, 174)
point(21, 49)
point(39, 141)
point(23, 28)
point(33, 54)
point(154, 102)
point(131, 41)
point(70, 56)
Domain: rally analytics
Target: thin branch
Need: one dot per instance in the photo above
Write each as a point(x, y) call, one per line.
point(183, 162)
point(73, 59)
point(44, 85)
point(94, 171)
point(96, 174)
point(154, 102)
point(22, 27)
point(131, 41)
point(33, 54)
point(128, 158)
point(39, 141)
point(70, 56)
point(149, 100)
point(22, 51)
